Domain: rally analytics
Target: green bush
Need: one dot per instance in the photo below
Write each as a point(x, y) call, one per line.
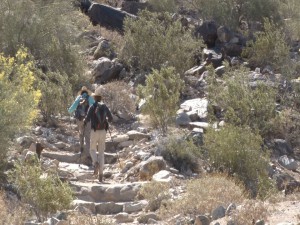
point(230, 12)
point(155, 40)
point(18, 97)
point(243, 104)
point(162, 92)
point(269, 48)
point(47, 30)
point(181, 153)
point(163, 5)
point(44, 192)
point(238, 152)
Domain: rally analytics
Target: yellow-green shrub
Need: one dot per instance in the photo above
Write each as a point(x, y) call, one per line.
point(155, 40)
point(18, 97)
point(162, 92)
point(44, 192)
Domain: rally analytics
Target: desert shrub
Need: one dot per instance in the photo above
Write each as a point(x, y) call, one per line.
point(289, 11)
point(44, 192)
point(155, 40)
point(286, 125)
point(250, 211)
point(163, 5)
point(18, 97)
point(47, 30)
point(243, 104)
point(11, 212)
point(205, 194)
point(76, 218)
point(118, 97)
point(238, 151)
point(230, 12)
point(181, 153)
point(269, 48)
point(162, 92)
point(155, 193)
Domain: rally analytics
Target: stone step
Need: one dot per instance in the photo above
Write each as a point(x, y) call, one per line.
point(106, 192)
point(109, 208)
point(69, 157)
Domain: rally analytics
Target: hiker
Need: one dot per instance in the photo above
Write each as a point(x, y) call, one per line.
point(98, 114)
point(80, 106)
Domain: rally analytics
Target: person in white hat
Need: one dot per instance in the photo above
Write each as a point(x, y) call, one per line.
point(80, 106)
point(99, 115)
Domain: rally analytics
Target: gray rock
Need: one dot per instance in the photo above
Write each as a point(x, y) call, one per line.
point(182, 118)
point(135, 135)
point(281, 147)
point(153, 165)
point(123, 218)
point(197, 105)
point(260, 222)
point(230, 208)
point(202, 220)
point(197, 70)
point(106, 208)
point(217, 213)
point(162, 176)
point(289, 164)
point(145, 217)
point(103, 49)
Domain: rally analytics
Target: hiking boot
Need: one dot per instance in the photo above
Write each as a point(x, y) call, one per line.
point(100, 177)
point(96, 168)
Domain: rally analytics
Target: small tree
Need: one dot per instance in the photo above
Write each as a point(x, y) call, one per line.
point(45, 193)
point(162, 92)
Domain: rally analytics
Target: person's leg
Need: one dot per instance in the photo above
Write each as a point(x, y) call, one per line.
point(101, 149)
point(87, 137)
point(93, 148)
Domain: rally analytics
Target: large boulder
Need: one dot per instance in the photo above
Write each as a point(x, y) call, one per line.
point(208, 31)
point(107, 16)
point(106, 70)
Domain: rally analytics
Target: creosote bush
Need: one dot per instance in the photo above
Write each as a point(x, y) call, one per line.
point(231, 12)
point(205, 194)
point(269, 48)
point(182, 154)
point(162, 92)
point(243, 105)
point(118, 97)
point(238, 152)
point(44, 192)
point(155, 40)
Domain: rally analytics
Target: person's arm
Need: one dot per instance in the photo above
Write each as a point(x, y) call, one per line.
point(109, 115)
point(74, 105)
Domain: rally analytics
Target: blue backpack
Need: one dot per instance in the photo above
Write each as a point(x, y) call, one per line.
point(82, 108)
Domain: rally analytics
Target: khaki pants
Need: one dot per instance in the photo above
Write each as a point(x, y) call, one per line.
point(98, 138)
point(84, 136)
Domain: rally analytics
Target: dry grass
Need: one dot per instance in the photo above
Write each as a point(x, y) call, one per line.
point(117, 95)
point(12, 213)
point(205, 194)
point(82, 219)
point(250, 211)
point(116, 39)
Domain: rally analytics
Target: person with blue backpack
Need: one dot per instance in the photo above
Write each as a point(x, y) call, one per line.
point(98, 116)
point(80, 108)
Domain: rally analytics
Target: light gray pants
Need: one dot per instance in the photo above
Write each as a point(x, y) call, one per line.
point(84, 136)
point(98, 138)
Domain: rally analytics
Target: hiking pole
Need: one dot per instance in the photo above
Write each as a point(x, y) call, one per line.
point(116, 151)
